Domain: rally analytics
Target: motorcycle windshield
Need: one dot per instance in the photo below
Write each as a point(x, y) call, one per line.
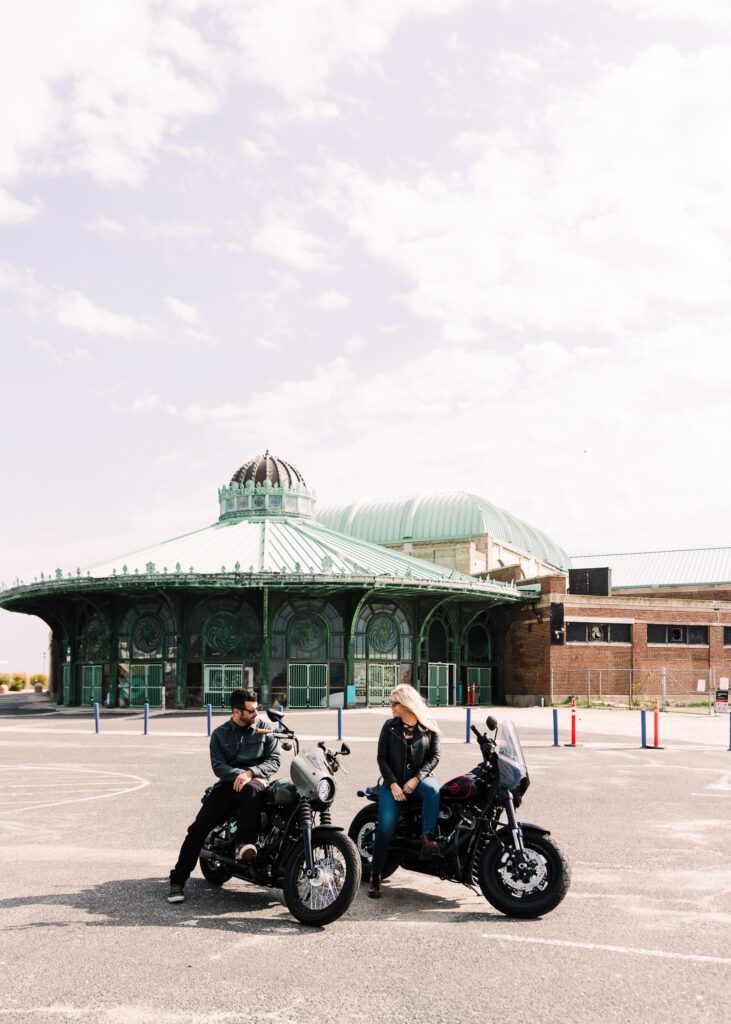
point(318, 760)
point(511, 763)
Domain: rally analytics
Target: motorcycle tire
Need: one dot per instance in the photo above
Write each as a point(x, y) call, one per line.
point(524, 898)
point(362, 830)
point(326, 898)
point(214, 872)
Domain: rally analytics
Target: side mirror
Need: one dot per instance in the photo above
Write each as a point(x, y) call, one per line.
point(274, 715)
point(345, 749)
point(491, 723)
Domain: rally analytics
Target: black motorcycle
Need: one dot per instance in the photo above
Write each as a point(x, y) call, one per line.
point(316, 865)
point(520, 870)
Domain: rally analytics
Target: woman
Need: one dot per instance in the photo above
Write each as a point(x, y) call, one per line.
point(408, 753)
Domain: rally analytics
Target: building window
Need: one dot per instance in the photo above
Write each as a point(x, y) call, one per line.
point(695, 635)
point(727, 636)
point(598, 632)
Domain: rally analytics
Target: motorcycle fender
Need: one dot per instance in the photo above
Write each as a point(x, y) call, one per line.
point(327, 828)
point(505, 832)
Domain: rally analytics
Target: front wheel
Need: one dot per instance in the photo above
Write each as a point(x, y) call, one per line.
point(363, 833)
point(528, 889)
point(322, 899)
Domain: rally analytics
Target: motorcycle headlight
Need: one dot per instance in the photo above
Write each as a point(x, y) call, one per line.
point(325, 790)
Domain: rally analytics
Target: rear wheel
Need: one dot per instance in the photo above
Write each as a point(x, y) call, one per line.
point(363, 833)
point(322, 899)
point(529, 888)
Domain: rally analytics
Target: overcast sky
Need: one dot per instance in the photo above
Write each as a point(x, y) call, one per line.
point(405, 244)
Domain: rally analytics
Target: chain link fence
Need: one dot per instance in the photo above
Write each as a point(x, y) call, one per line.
point(675, 689)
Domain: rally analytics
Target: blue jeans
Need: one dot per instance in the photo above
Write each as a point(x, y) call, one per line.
point(388, 816)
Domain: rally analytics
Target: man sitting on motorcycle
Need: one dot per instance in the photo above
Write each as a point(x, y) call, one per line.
point(243, 755)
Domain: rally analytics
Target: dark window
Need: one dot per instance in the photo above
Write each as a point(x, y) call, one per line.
point(598, 632)
point(727, 636)
point(677, 634)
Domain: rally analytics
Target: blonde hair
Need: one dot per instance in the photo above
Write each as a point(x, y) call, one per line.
point(412, 700)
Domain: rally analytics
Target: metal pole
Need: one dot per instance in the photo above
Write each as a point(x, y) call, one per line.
point(555, 727)
point(657, 724)
point(600, 686)
point(96, 716)
point(468, 725)
point(340, 723)
point(146, 716)
point(643, 727)
point(209, 717)
point(664, 690)
point(588, 687)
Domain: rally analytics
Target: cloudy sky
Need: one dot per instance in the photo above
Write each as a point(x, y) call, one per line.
point(405, 244)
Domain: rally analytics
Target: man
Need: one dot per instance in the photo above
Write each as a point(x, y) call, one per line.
point(243, 755)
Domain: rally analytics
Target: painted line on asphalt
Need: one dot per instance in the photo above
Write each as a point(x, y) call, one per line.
point(114, 780)
point(663, 954)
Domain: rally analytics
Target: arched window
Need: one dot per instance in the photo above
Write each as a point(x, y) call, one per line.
point(383, 633)
point(306, 630)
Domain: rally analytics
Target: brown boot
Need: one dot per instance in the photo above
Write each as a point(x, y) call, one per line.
point(374, 889)
point(429, 848)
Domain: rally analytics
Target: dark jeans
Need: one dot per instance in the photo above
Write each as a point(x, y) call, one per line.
point(389, 811)
point(220, 804)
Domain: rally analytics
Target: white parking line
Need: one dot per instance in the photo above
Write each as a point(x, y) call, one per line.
point(115, 779)
point(663, 954)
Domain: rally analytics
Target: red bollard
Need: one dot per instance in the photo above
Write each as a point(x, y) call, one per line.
point(657, 725)
point(573, 724)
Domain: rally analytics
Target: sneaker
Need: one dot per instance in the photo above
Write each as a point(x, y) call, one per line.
point(246, 852)
point(177, 893)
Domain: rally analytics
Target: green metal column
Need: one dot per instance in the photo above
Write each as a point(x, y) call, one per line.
point(113, 653)
point(181, 661)
point(265, 649)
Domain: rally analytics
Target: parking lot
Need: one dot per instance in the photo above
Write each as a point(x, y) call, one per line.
point(91, 824)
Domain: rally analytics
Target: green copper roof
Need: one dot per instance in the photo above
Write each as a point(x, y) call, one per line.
point(441, 516)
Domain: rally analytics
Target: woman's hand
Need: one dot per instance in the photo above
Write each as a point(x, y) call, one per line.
point(410, 786)
point(397, 793)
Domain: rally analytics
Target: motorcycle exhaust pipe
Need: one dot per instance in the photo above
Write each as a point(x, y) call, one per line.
point(230, 862)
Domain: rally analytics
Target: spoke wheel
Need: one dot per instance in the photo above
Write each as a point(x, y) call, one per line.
point(527, 888)
point(323, 898)
point(363, 833)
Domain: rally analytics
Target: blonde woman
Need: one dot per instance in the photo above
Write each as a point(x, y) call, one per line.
point(408, 753)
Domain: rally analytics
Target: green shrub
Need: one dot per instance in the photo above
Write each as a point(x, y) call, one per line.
point(4, 679)
point(39, 677)
point(20, 680)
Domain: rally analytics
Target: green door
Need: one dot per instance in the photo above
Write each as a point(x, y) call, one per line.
point(66, 684)
point(479, 685)
point(91, 685)
point(219, 682)
point(145, 686)
point(381, 680)
point(439, 679)
point(307, 686)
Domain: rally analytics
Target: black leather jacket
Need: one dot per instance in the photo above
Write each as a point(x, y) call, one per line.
point(392, 752)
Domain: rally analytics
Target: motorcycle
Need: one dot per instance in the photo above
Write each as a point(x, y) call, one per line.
point(316, 865)
point(519, 868)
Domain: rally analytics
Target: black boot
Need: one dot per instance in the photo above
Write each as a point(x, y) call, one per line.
point(429, 847)
point(374, 889)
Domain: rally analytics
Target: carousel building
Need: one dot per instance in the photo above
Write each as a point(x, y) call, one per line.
point(271, 598)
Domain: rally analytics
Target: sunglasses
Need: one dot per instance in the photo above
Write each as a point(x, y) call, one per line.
point(248, 711)
point(395, 703)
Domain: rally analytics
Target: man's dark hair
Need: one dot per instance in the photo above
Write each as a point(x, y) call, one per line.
point(241, 697)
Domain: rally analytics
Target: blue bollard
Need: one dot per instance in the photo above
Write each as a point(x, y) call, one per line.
point(147, 717)
point(555, 727)
point(281, 709)
point(96, 716)
point(340, 723)
point(468, 726)
point(643, 726)
point(208, 716)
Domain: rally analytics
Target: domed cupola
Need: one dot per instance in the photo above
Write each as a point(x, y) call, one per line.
point(265, 485)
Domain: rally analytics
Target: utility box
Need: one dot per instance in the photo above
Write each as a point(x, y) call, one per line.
point(592, 582)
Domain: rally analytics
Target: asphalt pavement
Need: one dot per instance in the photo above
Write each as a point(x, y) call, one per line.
point(90, 825)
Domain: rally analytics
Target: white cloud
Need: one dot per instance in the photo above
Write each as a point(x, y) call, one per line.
point(57, 355)
point(105, 226)
point(627, 212)
point(286, 241)
point(76, 311)
point(332, 301)
point(711, 12)
point(183, 311)
point(15, 211)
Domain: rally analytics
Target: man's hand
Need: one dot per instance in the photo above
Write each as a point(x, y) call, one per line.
point(397, 793)
point(241, 780)
point(411, 785)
